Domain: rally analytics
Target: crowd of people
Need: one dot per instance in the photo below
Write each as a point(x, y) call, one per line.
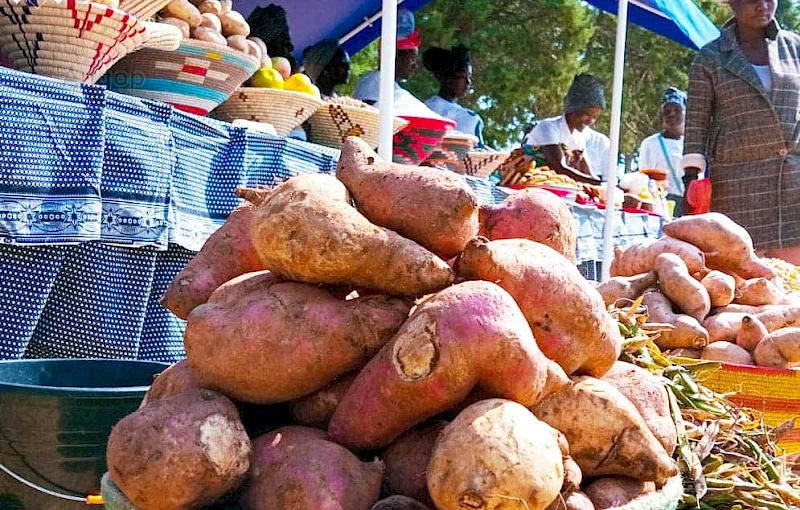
point(738, 123)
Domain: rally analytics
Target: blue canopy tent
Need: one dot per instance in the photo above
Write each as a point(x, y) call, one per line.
point(356, 23)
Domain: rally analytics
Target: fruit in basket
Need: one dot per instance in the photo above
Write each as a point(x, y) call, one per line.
point(266, 61)
point(210, 6)
point(209, 35)
point(184, 27)
point(254, 50)
point(283, 66)
point(238, 42)
point(233, 23)
point(183, 9)
point(299, 82)
point(267, 77)
point(211, 21)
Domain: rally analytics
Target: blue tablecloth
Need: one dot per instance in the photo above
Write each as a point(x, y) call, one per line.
point(104, 199)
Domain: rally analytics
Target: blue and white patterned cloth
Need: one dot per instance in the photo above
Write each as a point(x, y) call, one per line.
point(104, 198)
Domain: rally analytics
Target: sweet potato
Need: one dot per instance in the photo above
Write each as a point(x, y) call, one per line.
point(606, 434)
point(228, 253)
point(398, 503)
point(534, 214)
point(650, 398)
point(758, 292)
point(688, 353)
point(178, 378)
point(317, 408)
point(436, 209)
point(680, 288)
point(566, 313)
point(576, 501)
point(720, 287)
point(471, 334)
point(573, 477)
point(626, 287)
point(751, 333)
point(178, 453)
point(407, 461)
point(780, 349)
point(283, 340)
point(616, 491)
point(301, 472)
point(727, 352)
point(685, 331)
point(726, 326)
point(727, 245)
point(641, 257)
point(306, 230)
point(495, 454)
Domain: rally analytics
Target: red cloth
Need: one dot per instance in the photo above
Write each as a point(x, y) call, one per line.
point(698, 195)
point(412, 42)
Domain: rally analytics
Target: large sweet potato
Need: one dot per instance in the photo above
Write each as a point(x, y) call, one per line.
point(626, 287)
point(228, 253)
point(306, 230)
point(566, 313)
point(534, 214)
point(284, 340)
point(726, 326)
point(296, 470)
point(780, 349)
point(176, 379)
point(727, 245)
point(721, 288)
point(179, 453)
point(650, 398)
point(612, 492)
point(758, 292)
point(407, 461)
point(436, 209)
point(606, 433)
point(471, 334)
point(640, 258)
point(317, 408)
point(682, 331)
point(496, 454)
point(689, 295)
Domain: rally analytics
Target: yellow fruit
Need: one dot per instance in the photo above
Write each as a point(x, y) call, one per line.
point(267, 78)
point(301, 83)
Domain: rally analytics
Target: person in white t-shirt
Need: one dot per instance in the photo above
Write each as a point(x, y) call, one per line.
point(563, 143)
point(598, 146)
point(664, 151)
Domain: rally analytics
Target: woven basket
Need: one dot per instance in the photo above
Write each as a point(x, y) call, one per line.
point(419, 139)
point(284, 109)
point(482, 163)
point(195, 78)
point(333, 123)
point(75, 41)
point(451, 152)
point(143, 9)
point(772, 391)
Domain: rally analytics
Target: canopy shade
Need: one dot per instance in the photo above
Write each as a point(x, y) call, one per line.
point(358, 22)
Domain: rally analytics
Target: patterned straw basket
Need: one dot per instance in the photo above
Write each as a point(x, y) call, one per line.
point(284, 109)
point(143, 9)
point(71, 40)
point(452, 151)
point(195, 78)
point(334, 122)
point(483, 163)
point(773, 391)
point(419, 139)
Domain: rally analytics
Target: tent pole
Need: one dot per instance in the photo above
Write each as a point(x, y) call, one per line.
point(616, 118)
point(388, 52)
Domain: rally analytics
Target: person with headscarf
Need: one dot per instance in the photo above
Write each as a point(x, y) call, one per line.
point(406, 64)
point(453, 70)
point(328, 66)
point(271, 25)
point(567, 144)
point(664, 151)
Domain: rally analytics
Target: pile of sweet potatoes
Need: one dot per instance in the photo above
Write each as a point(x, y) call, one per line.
point(709, 294)
point(377, 334)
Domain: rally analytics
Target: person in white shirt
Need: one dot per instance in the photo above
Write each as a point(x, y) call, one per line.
point(664, 151)
point(566, 143)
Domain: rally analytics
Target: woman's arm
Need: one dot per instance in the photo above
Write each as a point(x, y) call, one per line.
point(699, 111)
point(557, 162)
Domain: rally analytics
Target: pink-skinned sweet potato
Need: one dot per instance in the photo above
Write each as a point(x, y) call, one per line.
point(398, 503)
point(283, 340)
point(436, 209)
point(779, 349)
point(728, 352)
point(534, 214)
point(641, 257)
point(471, 334)
point(566, 313)
point(178, 378)
point(650, 398)
point(758, 292)
point(686, 293)
point(496, 454)
point(626, 287)
point(317, 408)
point(721, 288)
point(306, 230)
point(726, 326)
point(727, 245)
point(228, 253)
point(407, 461)
point(576, 501)
point(612, 492)
point(179, 453)
point(295, 469)
point(676, 330)
point(751, 333)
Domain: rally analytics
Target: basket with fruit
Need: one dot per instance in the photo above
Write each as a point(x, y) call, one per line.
point(341, 117)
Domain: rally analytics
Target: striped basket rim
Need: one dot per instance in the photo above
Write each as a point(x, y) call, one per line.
point(144, 9)
point(217, 52)
point(285, 110)
point(57, 43)
point(482, 163)
point(333, 123)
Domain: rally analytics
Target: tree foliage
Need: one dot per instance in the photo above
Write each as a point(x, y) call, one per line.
point(525, 53)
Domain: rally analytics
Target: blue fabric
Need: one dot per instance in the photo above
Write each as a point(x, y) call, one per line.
point(111, 196)
point(311, 21)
